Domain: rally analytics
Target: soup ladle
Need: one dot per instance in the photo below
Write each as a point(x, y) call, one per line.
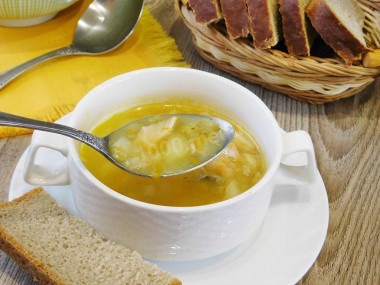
point(104, 26)
point(102, 144)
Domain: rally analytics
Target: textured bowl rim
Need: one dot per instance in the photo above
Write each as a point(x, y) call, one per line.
point(42, 8)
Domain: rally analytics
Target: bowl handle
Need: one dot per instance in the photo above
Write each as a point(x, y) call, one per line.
point(52, 172)
point(298, 165)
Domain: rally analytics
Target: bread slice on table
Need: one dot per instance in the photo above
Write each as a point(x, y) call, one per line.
point(340, 24)
point(206, 11)
point(298, 32)
point(236, 18)
point(57, 247)
point(265, 19)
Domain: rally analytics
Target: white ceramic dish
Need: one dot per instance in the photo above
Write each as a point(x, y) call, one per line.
point(174, 233)
point(23, 13)
point(287, 245)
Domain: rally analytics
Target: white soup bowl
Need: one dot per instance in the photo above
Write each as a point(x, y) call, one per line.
point(163, 232)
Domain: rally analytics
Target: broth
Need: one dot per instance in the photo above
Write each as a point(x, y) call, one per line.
point(236, 170)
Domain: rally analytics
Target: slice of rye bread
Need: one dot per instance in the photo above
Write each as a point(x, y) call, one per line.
point(265, 19)
point(57, 247)
point(340, 24)
point(236, 18)
point(206, 11)
point(298, 32)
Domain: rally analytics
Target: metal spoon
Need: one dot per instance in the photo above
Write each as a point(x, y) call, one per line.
point(102, 145)
point(104, 26)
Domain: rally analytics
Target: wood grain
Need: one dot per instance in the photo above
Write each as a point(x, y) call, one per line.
point(346, 135)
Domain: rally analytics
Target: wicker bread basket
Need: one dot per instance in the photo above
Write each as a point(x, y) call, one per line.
point(312, 79)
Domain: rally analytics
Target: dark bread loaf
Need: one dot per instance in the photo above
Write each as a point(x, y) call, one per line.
point(339, 23)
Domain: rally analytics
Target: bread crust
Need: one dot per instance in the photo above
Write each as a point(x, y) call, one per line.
point(293, 28)
point(236, 18)
point(336, 35)
point(206, 11)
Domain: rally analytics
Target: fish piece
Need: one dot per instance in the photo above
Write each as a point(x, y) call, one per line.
point(150, 135)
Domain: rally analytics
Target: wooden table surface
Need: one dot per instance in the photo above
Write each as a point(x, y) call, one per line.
point(346, 135)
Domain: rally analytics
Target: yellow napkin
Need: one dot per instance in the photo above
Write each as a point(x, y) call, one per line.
point(52, 88)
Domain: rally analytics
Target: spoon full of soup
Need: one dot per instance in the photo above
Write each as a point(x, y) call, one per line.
point(155, 146)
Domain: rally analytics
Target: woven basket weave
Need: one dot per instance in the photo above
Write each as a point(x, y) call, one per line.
point(311, 79)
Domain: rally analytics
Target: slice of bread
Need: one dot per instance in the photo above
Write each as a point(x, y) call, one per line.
point(57, 247)
point(265, 19)
point(340, 24)
point(298, 32)
point(206, 11)
point(236, 18)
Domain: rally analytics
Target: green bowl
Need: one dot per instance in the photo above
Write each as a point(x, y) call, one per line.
point(21, 13)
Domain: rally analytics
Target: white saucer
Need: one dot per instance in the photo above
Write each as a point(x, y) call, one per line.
point(289, 242)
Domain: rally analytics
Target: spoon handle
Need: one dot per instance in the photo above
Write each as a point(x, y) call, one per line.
point(98, 143)
point(13, 72)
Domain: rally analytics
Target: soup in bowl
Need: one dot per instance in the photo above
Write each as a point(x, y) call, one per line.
point(179, 218)
point(236, 170)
